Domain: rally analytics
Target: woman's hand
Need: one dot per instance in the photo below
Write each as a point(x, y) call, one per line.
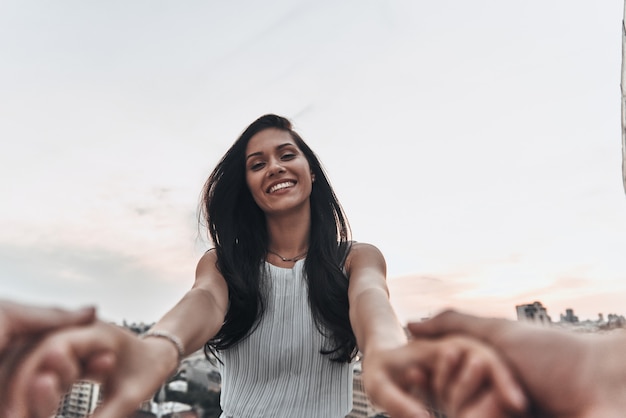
point(130, 370)
point(22, 327)
point(459, 375)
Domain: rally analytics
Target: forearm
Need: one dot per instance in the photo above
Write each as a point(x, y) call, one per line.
point(610, 370)
point(195, 319)
point(374, 321)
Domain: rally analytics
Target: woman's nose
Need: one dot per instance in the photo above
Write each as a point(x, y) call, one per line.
point(276, 167)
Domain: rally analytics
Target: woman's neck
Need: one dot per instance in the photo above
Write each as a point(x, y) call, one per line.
point(289, 235)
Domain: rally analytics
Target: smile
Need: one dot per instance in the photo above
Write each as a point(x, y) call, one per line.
point(280, 186)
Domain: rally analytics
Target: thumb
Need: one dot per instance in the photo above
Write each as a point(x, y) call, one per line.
point(19, 320)
point(452, 322)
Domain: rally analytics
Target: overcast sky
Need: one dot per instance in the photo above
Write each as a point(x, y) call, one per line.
point(477, 144)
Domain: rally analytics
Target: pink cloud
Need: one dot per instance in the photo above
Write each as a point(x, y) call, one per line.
point(416, 297)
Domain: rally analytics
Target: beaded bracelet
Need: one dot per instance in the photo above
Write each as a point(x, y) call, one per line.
point(171, 338)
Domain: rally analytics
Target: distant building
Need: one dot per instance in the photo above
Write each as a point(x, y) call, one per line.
point(569, 316)
point(361, 406)
point(534, 312)
point(616, 321)
point(80, 401)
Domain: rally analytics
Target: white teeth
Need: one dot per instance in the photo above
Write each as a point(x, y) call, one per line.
point(280, 186)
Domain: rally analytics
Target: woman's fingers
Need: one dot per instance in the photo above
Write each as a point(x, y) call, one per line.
point(69, 355)
point(444, 371)
point(471, 381)
point(461, 372)
point(507, 387)
point(399, 402)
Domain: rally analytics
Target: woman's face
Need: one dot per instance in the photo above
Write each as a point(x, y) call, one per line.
point(277, 172)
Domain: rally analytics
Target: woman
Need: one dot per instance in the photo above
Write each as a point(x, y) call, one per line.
point(284, 299)
point(282, 278)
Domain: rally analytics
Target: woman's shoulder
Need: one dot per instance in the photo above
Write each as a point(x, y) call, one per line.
point(209, 256)
point(207, 265)
point(356, 247)
point(361, 251)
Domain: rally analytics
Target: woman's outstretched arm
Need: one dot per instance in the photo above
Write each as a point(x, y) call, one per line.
point(129, 367)
point(377, 330)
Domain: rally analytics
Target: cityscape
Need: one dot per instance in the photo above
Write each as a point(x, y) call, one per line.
point(194, 391)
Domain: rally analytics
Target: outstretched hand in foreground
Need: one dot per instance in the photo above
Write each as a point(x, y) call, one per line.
point(130, 370)
point(23, 327)
point(459, 375)
point(564, 375)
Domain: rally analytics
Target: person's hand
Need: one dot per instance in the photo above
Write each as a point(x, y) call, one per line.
point(457, 374)
point(22, 327)
point(565, 375)
point(384, 376)
point(130, 370)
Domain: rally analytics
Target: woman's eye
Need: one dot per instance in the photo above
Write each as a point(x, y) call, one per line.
point(256, 166)
point(288, 156)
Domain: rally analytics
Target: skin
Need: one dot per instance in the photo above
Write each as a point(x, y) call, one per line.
point(22, 327)
point(565, 375)
point(273, 158)
point(459, 375)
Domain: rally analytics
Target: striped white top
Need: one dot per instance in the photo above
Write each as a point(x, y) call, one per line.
point(278, 370)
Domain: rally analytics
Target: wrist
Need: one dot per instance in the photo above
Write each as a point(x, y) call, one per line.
point(169, 348)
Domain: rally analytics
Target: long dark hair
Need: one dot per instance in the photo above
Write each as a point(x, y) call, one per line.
point(238, 230)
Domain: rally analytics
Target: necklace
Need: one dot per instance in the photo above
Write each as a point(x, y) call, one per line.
point(292, 259)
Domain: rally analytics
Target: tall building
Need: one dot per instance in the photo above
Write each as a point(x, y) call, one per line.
point(569, 316)
point(79, 401)
point(533, 312)
point(361, 406)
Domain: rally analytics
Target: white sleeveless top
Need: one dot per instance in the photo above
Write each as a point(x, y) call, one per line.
point(278, 370)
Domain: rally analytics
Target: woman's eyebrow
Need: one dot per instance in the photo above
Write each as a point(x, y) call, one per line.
point(254, 154)
point(278, 147)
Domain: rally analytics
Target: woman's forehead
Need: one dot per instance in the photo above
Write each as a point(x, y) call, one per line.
point(268, 140)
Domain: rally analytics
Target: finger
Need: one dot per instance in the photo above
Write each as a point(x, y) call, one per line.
point(99, 366)
point(420, 352)
point(11, 359)
point(507, 388)
point(21, 319)
point(60, 361)
point(400, 404)
point(446, 368)
point(472, 380)
point(454, 322)
point(495, 374)
point(39, 375)
point(485, 405)
point(417, 379)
